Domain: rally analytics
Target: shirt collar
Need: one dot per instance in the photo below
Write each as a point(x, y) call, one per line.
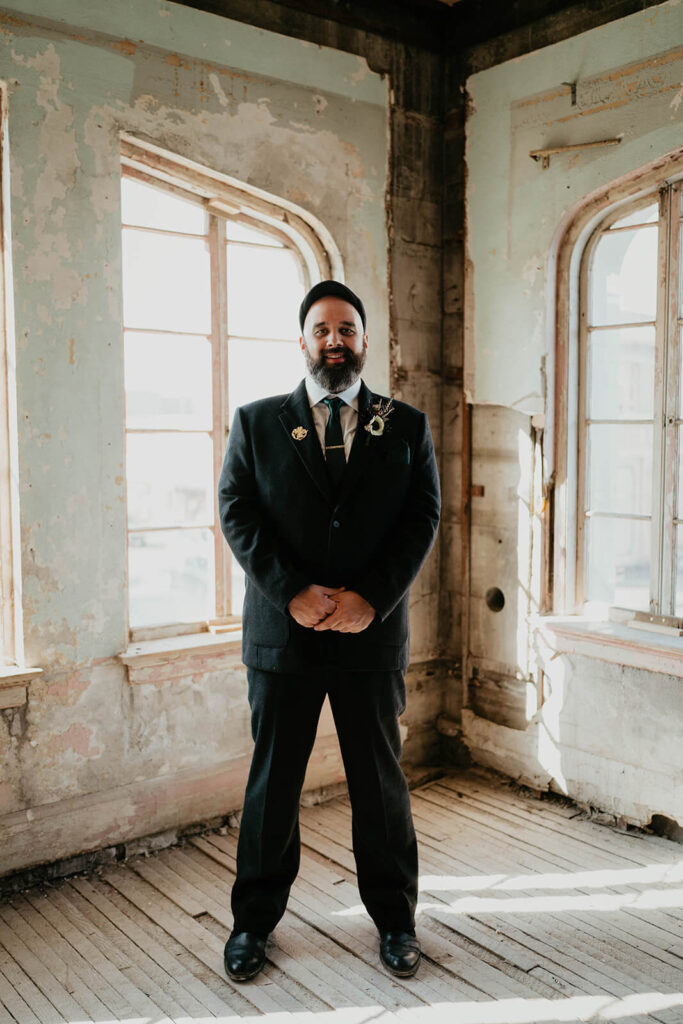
point(316, 393)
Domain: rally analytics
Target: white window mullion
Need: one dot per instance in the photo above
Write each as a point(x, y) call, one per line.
point(658, 573)
point(220, 392)
point(582, 438)
point(670, 276)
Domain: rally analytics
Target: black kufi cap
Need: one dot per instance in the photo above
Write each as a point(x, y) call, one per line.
point(335, 288)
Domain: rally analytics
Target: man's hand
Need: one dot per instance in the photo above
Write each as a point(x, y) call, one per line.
point(353, 614)
point(312, 604)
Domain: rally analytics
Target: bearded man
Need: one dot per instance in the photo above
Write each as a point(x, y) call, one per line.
point(329, 499)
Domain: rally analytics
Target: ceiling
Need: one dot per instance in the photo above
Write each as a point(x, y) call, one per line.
point(442, 26)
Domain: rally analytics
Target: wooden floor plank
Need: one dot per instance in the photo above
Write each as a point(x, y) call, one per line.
point(157, 969)
point(27, 990)
point(524, 903)
point(197, 939)
point(16, 1006)
point(360, 932)
point(359, 981)
point(325, 931)
point(95, 969)
point(628, 845)
point(160, 873)
point(51, 977)
point(642, 922)
point(145, 996)
point(611, 976)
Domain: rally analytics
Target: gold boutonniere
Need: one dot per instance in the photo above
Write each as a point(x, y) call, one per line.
point(299, 433)
point(380, 412)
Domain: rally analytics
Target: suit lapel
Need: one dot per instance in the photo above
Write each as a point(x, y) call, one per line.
point(295, 412)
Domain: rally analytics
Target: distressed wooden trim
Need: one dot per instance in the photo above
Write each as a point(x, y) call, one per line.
point(305, 231)
point(613, 642)
point(12, 675)
point(466, 527)
point(155, 651)
point(13, 697)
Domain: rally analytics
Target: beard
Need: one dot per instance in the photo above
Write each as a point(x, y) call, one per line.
point(338, 377)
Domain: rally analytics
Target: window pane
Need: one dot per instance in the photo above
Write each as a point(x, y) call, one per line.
point(265, 288)
point(621, 373)
point(170, 480)
point(171, 577)
point(168, 382)
point(618, 562)
point(257, 369)
point(619, 468)
point(166, 282)
point(243, 233)
point(623, 285)
point(645, 215)
point(150, 207)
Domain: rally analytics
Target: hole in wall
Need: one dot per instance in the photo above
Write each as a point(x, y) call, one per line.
point(495, 599)
point(666, 827)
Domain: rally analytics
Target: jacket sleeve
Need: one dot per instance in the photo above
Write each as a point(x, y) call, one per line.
point(403, 552)
point(245, 524)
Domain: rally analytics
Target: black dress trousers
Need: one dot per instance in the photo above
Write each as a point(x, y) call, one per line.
point(285, 709)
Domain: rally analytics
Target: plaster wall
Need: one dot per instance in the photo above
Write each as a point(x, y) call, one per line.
point(92, 758)
point(628, 79)
point(596, 730)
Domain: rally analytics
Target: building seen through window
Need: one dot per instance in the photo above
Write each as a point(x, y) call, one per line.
point(209, 309)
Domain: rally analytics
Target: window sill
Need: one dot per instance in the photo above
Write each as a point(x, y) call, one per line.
point(14, 685)
point(611, 641)
point(175, 657)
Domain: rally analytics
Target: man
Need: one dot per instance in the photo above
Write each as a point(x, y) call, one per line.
point(329, 499)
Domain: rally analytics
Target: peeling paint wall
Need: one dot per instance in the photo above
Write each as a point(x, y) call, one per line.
point(628, 78)
point(596, 730)
point(91, 759)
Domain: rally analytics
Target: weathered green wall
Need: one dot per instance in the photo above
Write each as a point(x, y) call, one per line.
point(570, 716)
point(628, 76)
point(307, 123)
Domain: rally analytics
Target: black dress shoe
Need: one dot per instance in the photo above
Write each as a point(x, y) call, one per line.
point(399, 952)
point(244, 956)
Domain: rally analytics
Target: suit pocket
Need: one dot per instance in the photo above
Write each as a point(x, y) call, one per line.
point(264, 625)
point(399, 454)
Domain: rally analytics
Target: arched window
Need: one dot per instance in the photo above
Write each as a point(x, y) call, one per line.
point(625, 452)
point(212, 279)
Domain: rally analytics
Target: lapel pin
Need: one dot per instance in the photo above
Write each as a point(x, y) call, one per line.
point(299, 433)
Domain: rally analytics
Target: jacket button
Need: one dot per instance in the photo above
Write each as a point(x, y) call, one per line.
point(336, 523)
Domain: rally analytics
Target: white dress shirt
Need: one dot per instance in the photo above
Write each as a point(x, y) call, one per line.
point(348, 412)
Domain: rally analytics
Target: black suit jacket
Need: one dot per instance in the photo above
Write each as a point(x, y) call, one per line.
point(288, 528)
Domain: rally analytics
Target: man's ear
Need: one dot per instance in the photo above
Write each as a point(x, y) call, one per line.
point(302, 344)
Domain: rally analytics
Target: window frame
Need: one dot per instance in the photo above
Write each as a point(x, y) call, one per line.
point(662, 198)
point(224, 200)
point(11, 615)
point(562, 583)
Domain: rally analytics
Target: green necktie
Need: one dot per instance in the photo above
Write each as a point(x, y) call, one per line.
point(335, 455)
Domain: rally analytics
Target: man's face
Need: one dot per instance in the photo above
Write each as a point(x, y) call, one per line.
point(333, 343)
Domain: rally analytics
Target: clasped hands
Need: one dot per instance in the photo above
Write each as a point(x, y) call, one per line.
point(335, 608)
